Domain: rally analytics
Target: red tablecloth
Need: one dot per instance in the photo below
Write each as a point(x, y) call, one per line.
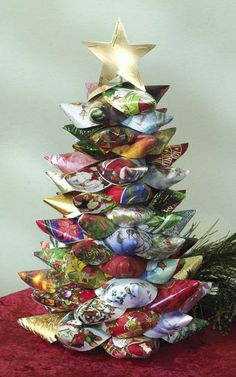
point(24, 354)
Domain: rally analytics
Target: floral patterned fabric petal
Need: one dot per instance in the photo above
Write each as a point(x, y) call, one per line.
point(64, 230)
point(162, 247)
point(97, 226)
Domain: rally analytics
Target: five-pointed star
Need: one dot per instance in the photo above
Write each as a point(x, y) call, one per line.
point(119, 58)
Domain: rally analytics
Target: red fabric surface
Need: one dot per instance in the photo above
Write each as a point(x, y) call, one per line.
point(24, 354)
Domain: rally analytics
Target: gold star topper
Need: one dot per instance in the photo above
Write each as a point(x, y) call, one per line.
point(119, 58)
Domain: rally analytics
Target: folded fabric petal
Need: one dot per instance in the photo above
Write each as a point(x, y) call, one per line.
point(162, 137)
point(88, 180)
point(78, 113)
point(109, 138)
point(162, 178)
point(64, 230)
point(131, 348)
point(75, 269)
point(60, 181)
point(87, 146)
point(97, 226)
point(189, 267)
point(169, 155)
point(185, 217)
point(160, 272)
point(134, 193)
point(44, 279)
point(121, 171)
point(174, 296)
point(124, 267)
point(194, 326)
point(43, 325)
point(88, 202)
point(70, 163)
point(64, 298)
point(82, 133)
point(128, 241)
point(166, 200)
point(64, 203)
point(91, 252)
point(157, 91)
point(132, 323)
point(127, 293)
point(74, 335)
point(129, 101)
point(160, 223)
point(148, 123)
point(202, 290)
point(97, 310)
point(162, 247)
point(131, 216)
point(138, 149)
point(169, 323)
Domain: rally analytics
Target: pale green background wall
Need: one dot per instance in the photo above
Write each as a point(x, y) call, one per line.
point(43, 63)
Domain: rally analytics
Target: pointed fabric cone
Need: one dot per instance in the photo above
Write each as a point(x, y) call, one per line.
point(44, 279)
point(160, 223)
point(169, 323)
point(169, 155)
point(88, 202)
point(191, 265)
point(162, 178)
point(166, 200)
point(160, 272)
point(64, 298)
point(88, 179)
point(134, 193)
point(194, 326)
point(148, 123)
point(87, 146)
point(97, 226)
point(76, 270)
point(60, 181)
point(91, 252)
point(162, 137)
point(70, 163)
point(132, 323)
point(138, 149)
point(162, 247)
point(157, 91)
point(113, 137)
point(121, 171)
point(64, 204)
point(64, 230)
point(125, 267)
point(78, 113)
point(186, 216)
point(139, 347)
point(44, 325)
point(60, 259)
point(173, 295)
point(129, 101)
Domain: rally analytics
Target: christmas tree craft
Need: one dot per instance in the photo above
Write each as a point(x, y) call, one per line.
point(117, 274)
